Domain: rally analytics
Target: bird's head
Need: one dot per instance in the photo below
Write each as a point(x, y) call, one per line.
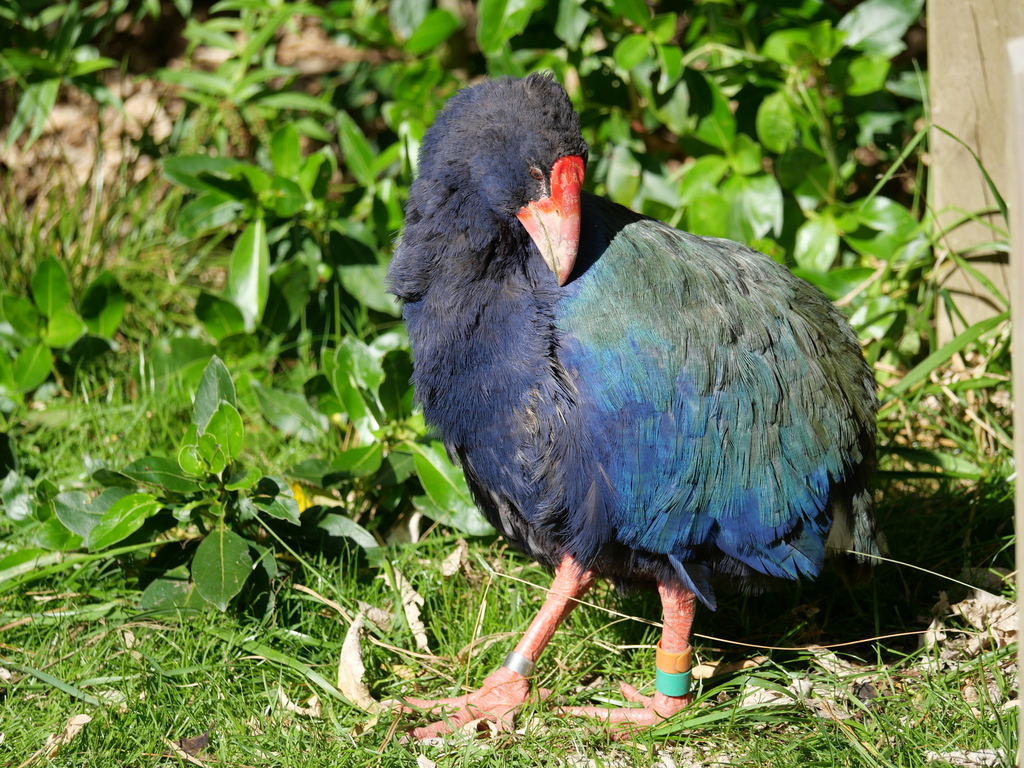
point(516, 146)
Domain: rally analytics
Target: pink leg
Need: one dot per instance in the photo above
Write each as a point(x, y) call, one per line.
point(678, 605)
point(504, 690)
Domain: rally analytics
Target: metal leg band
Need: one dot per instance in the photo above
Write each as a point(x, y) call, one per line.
point(518, 663)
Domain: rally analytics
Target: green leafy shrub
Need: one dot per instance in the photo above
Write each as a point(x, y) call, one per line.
point(35, 329)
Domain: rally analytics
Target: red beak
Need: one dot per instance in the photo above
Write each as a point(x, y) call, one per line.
point(554, 222)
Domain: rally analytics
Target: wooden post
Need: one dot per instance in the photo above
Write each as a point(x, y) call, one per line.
point(1015, 193)
point(969, 83)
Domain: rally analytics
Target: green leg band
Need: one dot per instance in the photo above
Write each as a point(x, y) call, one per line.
point(672, 683)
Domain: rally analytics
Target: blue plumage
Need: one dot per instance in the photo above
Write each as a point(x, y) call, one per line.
point(681, 409)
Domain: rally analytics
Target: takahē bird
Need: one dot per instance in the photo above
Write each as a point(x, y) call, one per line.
point(626, 400)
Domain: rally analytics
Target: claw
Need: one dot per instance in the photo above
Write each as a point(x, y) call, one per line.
point(497, 699)
point(654, 710)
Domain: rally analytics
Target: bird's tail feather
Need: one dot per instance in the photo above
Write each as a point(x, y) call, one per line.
point(697, 579)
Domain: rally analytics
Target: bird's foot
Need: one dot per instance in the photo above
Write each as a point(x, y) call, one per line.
point(655, 710)
point(502, 692)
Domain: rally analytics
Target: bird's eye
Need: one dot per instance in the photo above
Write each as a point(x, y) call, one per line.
point(537, 173)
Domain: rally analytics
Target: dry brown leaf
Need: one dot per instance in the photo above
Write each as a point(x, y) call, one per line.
point(380, 618)
point(351, 670)
point(311, 708)
point(704, 671)
point(193, 745)
point(411, 602)
point(182, 753)
point(55, 741)
point(991, 614)
point(422, 761)
point(979, 758)
point(455, 561)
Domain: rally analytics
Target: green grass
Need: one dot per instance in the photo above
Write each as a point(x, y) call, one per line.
point(172, 677)
point(73, 639)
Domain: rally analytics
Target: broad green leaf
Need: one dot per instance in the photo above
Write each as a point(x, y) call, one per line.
point(955, 466)
point(353, 363)
point(825, 42)
point(631, 50)
point(34, 107)
point(499, 21)
point(296, 100)
point(745, 156)
point(7, 386)
point(396, 392)
point(886, 227)
point(865, 75)
point(290, 412)
point(125, 517)
point(17, 497)
point(191, 462)
point(80, 514)
point(437, 27)
point(636, 11)
point(287, 197)
point(663, 27)
point(467, 520)
point(275, 496)
point(451, 501)
point(258, 179)
point(220, 318)
point(169, 594)
point(220, 567)
point(215, 387)
point(355, 462)
point(165, 473)
point(285, 151)
point(51, 534)
point(212, 453)
point(249, 273)
point(717, 127)
point(209, 211)
point(334, 524)
point(21, 314)
point(50, 288)
point(103, 305)
point(407, 15)
point(788, 46)
point(878, 26)
point(31, 367)
point(242, 480)
point(836, 283)
point(187, 170)
point(756, 206)
point(708, 215)
point(316, 170)
point(701, 177)
point(623, 179)
point(63, 328)
point(776, 125)
point(198, 83)
point(670, 62)
point(817, 243)
point(87, 67)
point(366, 283)
point(355, 149)
point(571, 23)
point(874, 317)
point(311, 471)
point(225, 426)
